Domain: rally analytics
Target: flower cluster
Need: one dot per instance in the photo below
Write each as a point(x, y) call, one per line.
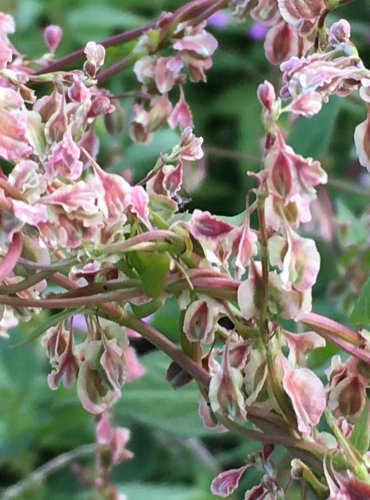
point(120, 251)
point(193, 48)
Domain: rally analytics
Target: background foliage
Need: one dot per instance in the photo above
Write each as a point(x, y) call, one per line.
point(175, 456)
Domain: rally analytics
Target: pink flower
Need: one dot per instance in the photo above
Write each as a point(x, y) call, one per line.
point(172, 178)
point(205, 226)
point(300, 343)
point(113, 439)
point(8, 320)
point(159, 112)
point(65, 366)
point(166, 72)
point(266, 12)
point(137, 202)
point(322, 73)
point(343, 488)
point(244, 246)
point(362, 142)
point(227, 482)
point(200, 321)
point(139, 124)
point(295, 12)
point(7, 24)
point(78, 91)
point(308, 104)
point(197, 41)
point(113, 188)
point(134, 369)
point(64, 158)
point(300, 261)
point(95, 54)
point(181, 115)
point(27, 178)
point(113, 363)
point(282, 42)
point(307, 394)
point(14, 143)
point(94, 391)
point(225, 390)
point(347, 388)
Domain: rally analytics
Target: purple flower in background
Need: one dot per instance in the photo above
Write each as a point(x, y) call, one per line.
point(257, 31)
point(364, 179)
point(219, 20)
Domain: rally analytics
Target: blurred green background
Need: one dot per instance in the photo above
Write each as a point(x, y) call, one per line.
point(175, 456)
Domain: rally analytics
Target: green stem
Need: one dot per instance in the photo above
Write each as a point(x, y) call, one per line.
point(26, 283)
point(276, 388)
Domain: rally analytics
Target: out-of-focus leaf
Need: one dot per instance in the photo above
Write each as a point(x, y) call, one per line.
point(311, 136)
point(157, 491)
point(355, 231)
point(142, 157)
point(95, 15)
point(361, 311)
point(360, 434)
point(152, 400)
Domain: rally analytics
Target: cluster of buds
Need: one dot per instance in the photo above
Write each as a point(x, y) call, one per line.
point(193, 48)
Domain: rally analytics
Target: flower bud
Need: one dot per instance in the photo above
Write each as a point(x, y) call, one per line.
point(159, 112)
point(95, 54)
point(339, 33)
point(266, 94)
point(52, 36)
point(115, 121)
point(101, 105)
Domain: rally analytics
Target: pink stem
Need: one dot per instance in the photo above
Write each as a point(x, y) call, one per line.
point(183, 13)
point(340, 335)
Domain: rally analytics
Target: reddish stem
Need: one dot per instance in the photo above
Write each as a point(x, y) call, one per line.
point(183, 13)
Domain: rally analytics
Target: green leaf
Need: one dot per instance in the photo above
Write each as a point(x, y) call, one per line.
point(144, 156)
point(151, 400)
point(360, 434)
point(361, 310)
point(102, 17)
point(155, 491)
point(45, 325)
point(311, 136)
point(153, 269)
point(143, 310)
point(356, 231)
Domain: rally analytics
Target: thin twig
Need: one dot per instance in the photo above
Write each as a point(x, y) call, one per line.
point(46, 469)
point(349, 187)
